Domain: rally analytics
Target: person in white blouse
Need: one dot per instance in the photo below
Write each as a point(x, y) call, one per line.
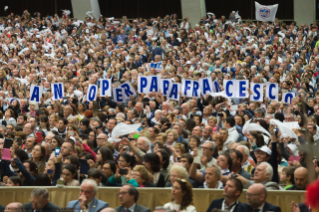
point(182, 197)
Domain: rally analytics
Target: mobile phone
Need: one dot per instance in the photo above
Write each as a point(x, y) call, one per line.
point(50, 171)
point(71, 133)
point(39, 137)
point(57, 151)
point(123, 171)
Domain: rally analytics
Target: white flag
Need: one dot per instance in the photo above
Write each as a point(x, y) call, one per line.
point(237, 14)
point(266, 13)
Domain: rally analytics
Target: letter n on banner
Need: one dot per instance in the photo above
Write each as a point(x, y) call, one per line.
point(57, 91)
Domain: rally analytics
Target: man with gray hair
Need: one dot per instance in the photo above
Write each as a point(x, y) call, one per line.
point(263, 174)
point(39, 201)
point(212, 178)
point(87, 201)
point(207, 159)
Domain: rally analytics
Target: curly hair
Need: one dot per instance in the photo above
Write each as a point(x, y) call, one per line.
point(187, 189)
point(143, 172)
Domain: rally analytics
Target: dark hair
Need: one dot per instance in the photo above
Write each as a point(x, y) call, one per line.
point(42, 180)
point(290, 171)
point(86, 155)
point(190, 124)
point(24, 116)
point(59, 139)
point(74, 160)
point(112, 165)
point(85, 122)
point(133, 191)
point(198, 116)
point(17, 179)
point(189, 157)
point(259, 138)
point(196, 138)
point(229, 160)
point(165, 157)
point(33, 167)
point(46, 120)
point(65, 121)
point(21, 154)
point(95, 173)
point(72, 169)
point(230, 120)
point(106, 154)
point(154, 160)
point(238, 184)
point(280, 117)
point(238, 154)
point(128, 158)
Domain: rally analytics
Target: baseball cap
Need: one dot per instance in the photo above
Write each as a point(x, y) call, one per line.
point(264, 149)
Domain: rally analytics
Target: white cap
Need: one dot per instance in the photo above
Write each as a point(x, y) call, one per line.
point(264, 149)
point(233, 12)
point(188, 63)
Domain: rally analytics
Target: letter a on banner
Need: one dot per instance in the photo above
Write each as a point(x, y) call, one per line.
point(205, 85)
point(57, 91)
point(174, 91)
point(287, 97)
point(36, 93)
point(92, 92)
point(105, 87)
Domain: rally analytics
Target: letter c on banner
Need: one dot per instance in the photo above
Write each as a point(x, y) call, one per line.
point(227, 88)
point(271, 86)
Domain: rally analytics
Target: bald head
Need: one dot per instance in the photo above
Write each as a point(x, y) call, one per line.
point(256, 195)
point(14, 207)
point(108, 210)
point(301, 178)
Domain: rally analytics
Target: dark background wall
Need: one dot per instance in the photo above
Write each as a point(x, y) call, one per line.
point(45, 7)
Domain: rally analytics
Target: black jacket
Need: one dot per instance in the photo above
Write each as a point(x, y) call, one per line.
point(267, 207)
point(50, 207)
point(218, 203)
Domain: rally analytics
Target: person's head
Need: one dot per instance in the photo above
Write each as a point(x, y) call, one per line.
point(152, 162)
point(69, 173)
point(143, 142)
point(96, 175)
point(237, 158)
point(182, 191)
point(109, 168)
point(72, 159)
point(62, 124)
point(187, 160)
point(125, 160)
point(67, 148)
point(301, 178)
point(194, 142)
point(104, 154)
point(256, 195)
point(128, 195)
point(38, 152)
point(178, 171)
point(141, 175)
point(212, 175)
point(229, 122)
point(208, 149)
point(14, 207)
point(244, 150)
point(14, 181)
point(262, 154)
point(233, 188)
point(88, 189)
point(29, 143)
point(287, 175)
point(224, 161)
point(263, 172)
point(42, 180)
point(39, 198)
point(30, 167)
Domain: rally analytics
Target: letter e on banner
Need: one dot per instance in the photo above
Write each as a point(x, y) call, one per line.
point(242, 86)
point(118, 94)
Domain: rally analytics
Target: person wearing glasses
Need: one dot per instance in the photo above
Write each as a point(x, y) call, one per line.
point(128, 196)
point(87, 201)
point(182, 197)
point(232, 190)
point(256, 200)
point(207, 160)
point(39, 201)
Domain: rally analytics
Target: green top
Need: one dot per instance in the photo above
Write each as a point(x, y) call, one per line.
point(289, 186)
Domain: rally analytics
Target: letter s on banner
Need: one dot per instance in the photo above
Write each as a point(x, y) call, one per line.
point(36, 93)
point(258, 92)
point(287, 97)
point(230, 88)
point(92, 92)
point(57, 91)
point(272, 91)
point(105, 87)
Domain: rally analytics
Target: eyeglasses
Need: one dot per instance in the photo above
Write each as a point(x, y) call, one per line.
point(251, 195)
point(65, 147)
point(32, 202)
point(122, 193)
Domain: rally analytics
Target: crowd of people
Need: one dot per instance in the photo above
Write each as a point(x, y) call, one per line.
point(191, 143)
